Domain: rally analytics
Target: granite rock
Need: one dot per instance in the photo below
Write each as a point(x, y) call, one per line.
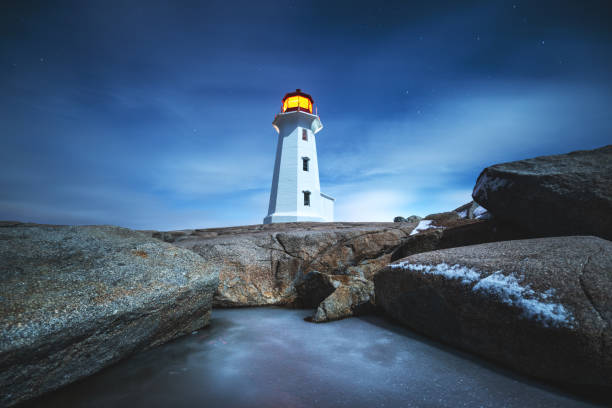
point(76, 299)
point(262, 264)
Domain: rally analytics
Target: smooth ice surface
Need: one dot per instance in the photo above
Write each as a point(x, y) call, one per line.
point(271, 357)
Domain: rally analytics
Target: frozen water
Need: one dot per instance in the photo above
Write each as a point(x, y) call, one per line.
point(271, 357)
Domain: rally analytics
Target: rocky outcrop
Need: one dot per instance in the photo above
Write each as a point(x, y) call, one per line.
point(262, 264)
point(76, 299)
point(565, 194)
point(326, 266)
point(541, 306)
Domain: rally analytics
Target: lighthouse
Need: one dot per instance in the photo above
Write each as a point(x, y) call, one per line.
point(296, 193)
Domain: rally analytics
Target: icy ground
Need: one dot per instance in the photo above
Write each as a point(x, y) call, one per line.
point(271, 357)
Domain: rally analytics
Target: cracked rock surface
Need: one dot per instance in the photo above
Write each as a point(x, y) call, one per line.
point(541, 306)
point(76, 299)
point(261, 264)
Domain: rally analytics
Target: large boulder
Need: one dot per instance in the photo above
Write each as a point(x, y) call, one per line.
point(263, 264)
point(564, 194)
point(541, 306)
point(76, 299)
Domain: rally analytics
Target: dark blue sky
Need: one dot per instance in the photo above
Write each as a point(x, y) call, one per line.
point(151, 114)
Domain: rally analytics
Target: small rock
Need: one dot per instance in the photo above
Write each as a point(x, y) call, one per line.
point(354, 296)
point(412, 218)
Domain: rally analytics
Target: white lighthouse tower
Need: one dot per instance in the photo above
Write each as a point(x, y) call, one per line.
point(296, 192)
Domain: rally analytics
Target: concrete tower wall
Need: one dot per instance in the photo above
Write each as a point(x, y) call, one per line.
point(290, 180)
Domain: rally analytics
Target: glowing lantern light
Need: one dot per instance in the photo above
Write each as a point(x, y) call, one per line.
point(297, 101)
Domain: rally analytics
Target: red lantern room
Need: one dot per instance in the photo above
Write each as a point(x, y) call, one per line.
point(297, 101)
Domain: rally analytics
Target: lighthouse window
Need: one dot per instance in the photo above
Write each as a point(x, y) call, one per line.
point(297, 102)
point(305, 163)
point(304, 134)
point(305, 104)
point(306, 198)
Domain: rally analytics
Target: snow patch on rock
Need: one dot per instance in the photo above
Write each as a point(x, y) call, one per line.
point(423, 225)
point(535, 306)
point(481, 213)
point(467, 275)
point(511, 292)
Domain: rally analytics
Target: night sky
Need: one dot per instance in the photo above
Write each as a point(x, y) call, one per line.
point(157, 115)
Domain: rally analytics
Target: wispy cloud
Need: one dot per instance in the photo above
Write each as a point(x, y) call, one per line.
point(209, 175)
point(432, 158)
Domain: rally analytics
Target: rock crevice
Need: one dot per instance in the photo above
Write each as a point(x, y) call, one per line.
point(587, 293)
